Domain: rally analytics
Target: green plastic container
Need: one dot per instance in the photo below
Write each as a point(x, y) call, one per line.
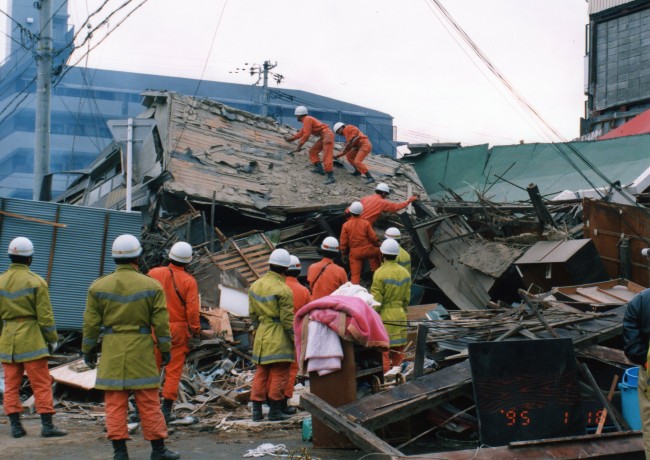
point(306, 429)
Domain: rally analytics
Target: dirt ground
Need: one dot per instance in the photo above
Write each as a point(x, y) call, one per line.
point(86, 440)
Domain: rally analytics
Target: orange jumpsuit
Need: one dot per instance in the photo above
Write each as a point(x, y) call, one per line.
point(360, 242)
point(374, 205)
point(358, 147)
point(325, 277)
point(183, 320)
point(301, 297)
point(311, 126)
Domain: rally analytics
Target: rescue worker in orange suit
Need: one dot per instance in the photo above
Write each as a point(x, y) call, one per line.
point(375, 204)
point(391, 287)
point(325, 143)
point(182, 294)
point(27, 338)
point(356, 149)
point(359, 242)
point(125, 305)
point(325, 277)
point(301, 297)
point(271, 311)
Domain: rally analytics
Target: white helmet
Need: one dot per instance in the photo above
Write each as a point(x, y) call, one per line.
point(381, 187)
point(126, 247)
point(389, 247)
point(356, 208)
point(21, 246)
point(181, 252)
point(300, 110)
point(295, 264)
point(330, 244)
point(393, 233)
point(338, 126)
point(280, 257)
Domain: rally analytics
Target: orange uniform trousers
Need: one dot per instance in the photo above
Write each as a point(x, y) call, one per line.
point(326, 145)
point(356, 156)
point(174, 370)
point(39, 379)
point(270, 381)
point(117, 404)
point(391, 358)
point(358, 255)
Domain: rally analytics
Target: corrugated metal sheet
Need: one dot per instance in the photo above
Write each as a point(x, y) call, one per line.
point(70, 257)
point(596, 6)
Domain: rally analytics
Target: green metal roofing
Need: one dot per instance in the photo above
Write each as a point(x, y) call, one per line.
point(467, 169)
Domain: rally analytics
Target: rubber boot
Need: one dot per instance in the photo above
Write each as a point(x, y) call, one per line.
point(257, 411)
point(330, 178)
point(286, 408)
point(17, 430)
point(48, 430)
point(167, 409)
point(369, 178)
point(356, 172)
point(318, 168)
point(275, 414)
point(160, 452)
point(119, 450)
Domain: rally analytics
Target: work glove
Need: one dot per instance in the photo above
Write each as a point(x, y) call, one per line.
point(166, 358)
point(52, 346)
point(288, 138)
point(194, 342)
point(413, 198)
point(90, 359)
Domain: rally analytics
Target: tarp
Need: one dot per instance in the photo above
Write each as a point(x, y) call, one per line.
point(470, 169)
point(637, 125)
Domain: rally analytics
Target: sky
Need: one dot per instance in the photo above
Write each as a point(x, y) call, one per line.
point(395, 56)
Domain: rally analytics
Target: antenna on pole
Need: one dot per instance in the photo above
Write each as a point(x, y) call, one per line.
point(263, 73)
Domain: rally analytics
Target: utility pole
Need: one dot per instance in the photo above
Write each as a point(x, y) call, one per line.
point(43, 95)
point(263, 73)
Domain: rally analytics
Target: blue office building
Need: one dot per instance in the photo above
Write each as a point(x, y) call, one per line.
point(83, 100)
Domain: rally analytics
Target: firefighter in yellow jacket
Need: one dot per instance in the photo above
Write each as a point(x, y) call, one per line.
point(391, 287)
point(271, 310)
point(27, 337)
point(403, 258)
point(124, 306)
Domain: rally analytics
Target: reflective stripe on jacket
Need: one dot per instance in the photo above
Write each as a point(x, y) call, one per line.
point(27, 321)
point(128, 304)
point(271, 310)
point(404, 259)
point(391, 287)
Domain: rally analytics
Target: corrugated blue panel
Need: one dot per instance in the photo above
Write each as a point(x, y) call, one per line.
point(75, 253)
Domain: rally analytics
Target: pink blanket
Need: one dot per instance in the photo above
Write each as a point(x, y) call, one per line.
point(350, 317)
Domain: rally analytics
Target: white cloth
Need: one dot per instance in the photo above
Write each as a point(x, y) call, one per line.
point(354, 290)
point(324, 352)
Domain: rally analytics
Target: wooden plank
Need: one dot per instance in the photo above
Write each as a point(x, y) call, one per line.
point(33, 219)
point(67, 375)
point(363, 438)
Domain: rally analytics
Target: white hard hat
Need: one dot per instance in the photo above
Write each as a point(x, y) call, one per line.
point(330, 244)
point(389, 247)
point(181, 252)
point(338, 126)
point(381, 187)
point(356, 208)
point(280, 257)
point(300, 110)
point(295, 263)
point(126, 247)
point(21, 246)
point(393, 232)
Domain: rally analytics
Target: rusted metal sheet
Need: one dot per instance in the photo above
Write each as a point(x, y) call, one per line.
point(605, 223)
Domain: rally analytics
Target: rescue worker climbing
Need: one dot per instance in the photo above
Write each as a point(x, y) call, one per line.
point(124, 306)
point(182, 294)
point(325, 277)
point(356, 149)
point(301, 297)
point(375, 204)
point(391, 287)
point(271, 311)
point(403, 258)
point(27, 338)
point(325, 143)
point(359, 242)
